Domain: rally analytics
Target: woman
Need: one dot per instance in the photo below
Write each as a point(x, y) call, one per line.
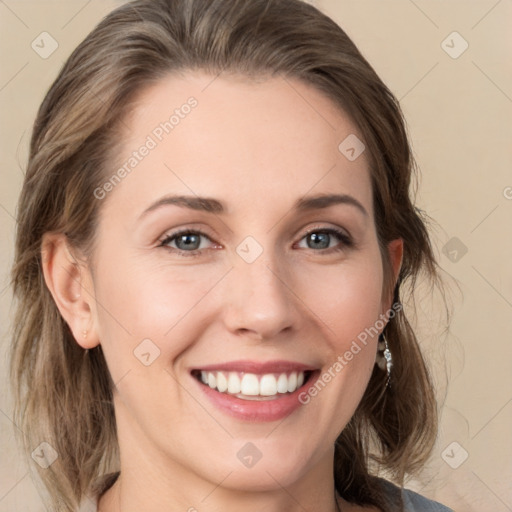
point(214, 232)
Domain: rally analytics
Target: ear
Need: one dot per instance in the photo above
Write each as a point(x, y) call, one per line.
point(70, 284)
point(395, 250)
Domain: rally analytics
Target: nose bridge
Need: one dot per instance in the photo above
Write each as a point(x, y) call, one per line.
point(258, 297)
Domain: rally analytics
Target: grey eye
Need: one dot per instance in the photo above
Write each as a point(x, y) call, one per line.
point(188, 241)
point(318, 240)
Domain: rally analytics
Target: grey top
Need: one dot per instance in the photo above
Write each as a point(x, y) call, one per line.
point(413, 502)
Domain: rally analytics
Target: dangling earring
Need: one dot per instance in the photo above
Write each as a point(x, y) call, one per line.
point(384, 360)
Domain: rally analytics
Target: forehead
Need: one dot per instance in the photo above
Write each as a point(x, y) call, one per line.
point(249, 141)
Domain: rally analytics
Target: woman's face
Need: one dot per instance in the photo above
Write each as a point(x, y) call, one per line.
point(258, 276)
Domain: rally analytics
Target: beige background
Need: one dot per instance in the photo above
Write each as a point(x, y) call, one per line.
point(459, 112)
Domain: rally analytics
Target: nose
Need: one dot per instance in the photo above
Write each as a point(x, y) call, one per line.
point(260, 301)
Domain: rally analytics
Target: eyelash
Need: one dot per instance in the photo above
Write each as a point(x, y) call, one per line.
point(346, 241)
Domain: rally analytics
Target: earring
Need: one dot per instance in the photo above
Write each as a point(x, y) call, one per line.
point(384, 360)
point(84, 334)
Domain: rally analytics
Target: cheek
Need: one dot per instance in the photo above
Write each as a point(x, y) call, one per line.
point(346, 298)
point(137, 302)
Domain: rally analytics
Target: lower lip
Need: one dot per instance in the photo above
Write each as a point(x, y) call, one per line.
point(257, 410)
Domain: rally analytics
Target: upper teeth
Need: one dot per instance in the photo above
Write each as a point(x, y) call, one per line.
point(269, 384)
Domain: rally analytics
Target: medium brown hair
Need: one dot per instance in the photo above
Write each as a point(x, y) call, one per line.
point(63, 394)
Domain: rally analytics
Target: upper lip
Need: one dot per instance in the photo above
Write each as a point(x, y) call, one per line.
point(247, 366)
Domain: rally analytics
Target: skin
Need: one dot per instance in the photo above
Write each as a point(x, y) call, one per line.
point(257, 147)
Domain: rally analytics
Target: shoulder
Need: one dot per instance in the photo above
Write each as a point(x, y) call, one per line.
point(413, 502)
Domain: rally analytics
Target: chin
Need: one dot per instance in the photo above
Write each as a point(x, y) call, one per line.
point(270, 472)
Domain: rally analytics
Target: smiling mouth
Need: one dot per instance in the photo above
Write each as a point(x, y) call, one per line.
point(252, 386)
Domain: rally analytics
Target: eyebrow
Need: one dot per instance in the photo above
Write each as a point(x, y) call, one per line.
point(211, 205)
